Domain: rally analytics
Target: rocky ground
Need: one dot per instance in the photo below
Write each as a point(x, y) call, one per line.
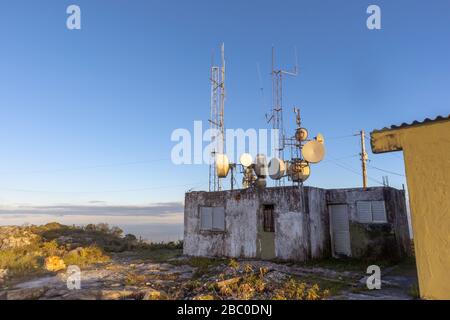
point(130, 278)
point(163, 273)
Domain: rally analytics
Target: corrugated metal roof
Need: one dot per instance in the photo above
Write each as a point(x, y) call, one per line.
point(415, 123)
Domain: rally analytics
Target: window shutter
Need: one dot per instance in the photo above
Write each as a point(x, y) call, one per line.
point(379, 211)
point(206, 220)
point(218, 218)
point(364, 211)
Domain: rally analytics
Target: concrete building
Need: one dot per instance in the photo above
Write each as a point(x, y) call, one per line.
point(426, 152)
point(292, 223)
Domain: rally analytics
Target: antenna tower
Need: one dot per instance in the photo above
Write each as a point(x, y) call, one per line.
point(276, 115)
point(217, 125)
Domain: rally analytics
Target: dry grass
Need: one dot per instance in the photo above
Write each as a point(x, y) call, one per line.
point(249, 284)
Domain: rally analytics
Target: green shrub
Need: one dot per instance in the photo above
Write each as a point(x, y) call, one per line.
point(85, 256)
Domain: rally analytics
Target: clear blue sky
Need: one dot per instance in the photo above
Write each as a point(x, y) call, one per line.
point(82, 111)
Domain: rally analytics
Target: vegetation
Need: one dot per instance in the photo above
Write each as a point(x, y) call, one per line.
point(245, 282)
point(296, 290)
point(254, 285)
point(83, 257)
point(53, 246)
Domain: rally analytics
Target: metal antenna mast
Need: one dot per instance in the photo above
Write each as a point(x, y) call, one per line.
point(217, 116)
point(276, 116)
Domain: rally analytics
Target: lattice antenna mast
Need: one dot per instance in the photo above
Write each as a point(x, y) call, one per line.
point(217, 115)
point(276, 116)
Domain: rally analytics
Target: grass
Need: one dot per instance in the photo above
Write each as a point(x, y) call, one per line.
point(345, 264)
point(83, 257)
point(202, 264)
point(333, 287)
point(157, 255)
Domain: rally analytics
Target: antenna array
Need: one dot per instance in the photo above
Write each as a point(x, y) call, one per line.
point(304, 151)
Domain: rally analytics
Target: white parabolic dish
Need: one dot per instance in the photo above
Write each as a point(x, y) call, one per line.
point(313, 151)
point(246, 159)
point(222, 165)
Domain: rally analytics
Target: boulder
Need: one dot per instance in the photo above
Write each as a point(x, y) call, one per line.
point(229, 282)
point(115, 294)
point(12, 237)
point(155, 295)
point(3, 275)
point(26, 294)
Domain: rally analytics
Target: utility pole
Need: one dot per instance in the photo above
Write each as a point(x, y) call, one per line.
point(363, 158)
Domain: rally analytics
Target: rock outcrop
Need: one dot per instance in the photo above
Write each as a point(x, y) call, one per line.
point(12, 237)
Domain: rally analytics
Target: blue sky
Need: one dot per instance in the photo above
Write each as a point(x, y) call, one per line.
point(86, 115)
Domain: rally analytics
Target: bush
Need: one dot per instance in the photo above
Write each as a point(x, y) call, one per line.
point(18, 261)
point(85, 256)
point(54, 263)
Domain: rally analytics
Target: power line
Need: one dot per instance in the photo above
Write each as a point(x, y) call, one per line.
point(97, 166)
point(335, 161)
point(341, 137)
point(103, 191)
point(387, 171)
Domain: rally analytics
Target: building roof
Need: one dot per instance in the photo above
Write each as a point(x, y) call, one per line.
point(415, 123)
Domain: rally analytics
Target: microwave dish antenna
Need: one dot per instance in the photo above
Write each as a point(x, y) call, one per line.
point(246, 160)
point(313, 151)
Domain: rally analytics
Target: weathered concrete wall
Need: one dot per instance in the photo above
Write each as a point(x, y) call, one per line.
point(319, 226)
point(301, 224)
point(376, 240)
point(239, 238)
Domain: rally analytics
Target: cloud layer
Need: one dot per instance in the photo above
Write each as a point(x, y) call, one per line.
point(157, 209)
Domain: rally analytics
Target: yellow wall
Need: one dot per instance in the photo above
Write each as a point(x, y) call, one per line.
point(426, 151)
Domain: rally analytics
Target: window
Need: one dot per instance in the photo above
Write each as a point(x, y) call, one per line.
point(371, 211)
point(268, 220)
point(212, 218)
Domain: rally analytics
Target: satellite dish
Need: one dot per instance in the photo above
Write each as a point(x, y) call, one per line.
point(261, 166)
point(222, 165)
point(301, 134)
point(246, 159)
point(320, 138)
point(277, 168)
point(299, 170)
point(313, 151)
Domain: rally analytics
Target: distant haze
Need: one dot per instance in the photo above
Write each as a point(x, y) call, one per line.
point(157, 222)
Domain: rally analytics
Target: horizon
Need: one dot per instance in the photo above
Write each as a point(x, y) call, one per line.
point(87, 115)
